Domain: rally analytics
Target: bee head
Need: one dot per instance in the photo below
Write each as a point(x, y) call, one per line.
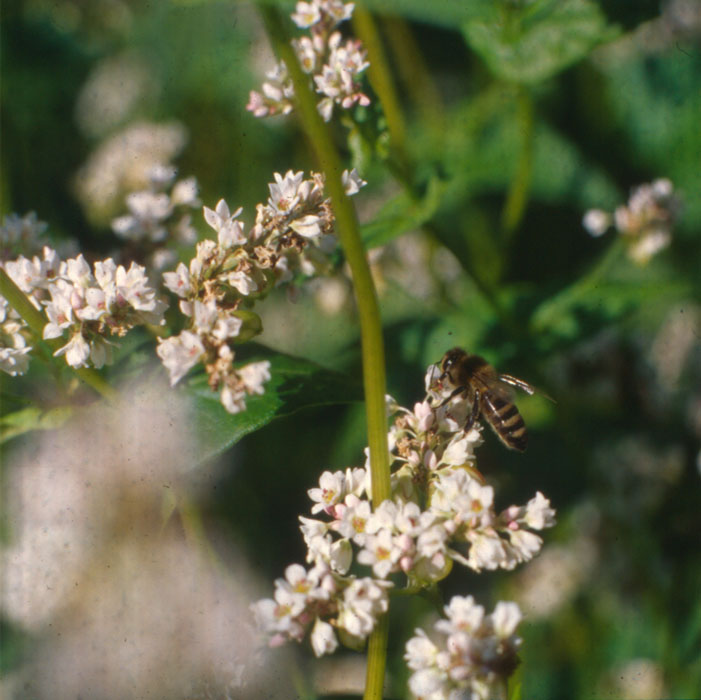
point(450, 359)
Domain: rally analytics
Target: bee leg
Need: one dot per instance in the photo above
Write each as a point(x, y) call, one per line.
point(474, 413)
point(453, 393)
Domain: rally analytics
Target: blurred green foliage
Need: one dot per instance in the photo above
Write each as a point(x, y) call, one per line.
point(543, 110)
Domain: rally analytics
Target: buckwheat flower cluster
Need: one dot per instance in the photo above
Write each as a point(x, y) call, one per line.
point(14, 347)
point(645, 223)
point(90, 308)
point(159, 215)
point(33, 277)
point(292, 233)
point(476, 654)
point(334, 64)
point(323, 601)
point(441, 512)
point(20, 234)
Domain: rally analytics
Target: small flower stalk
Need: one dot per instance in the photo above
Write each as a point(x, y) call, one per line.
point(441, 512)
point(645, 222)
point(292, 234)
point(334, 65)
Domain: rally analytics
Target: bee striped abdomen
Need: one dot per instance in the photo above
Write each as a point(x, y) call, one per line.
point(506, 421)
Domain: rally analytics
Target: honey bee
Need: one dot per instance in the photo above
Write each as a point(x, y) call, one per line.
point(474, 378)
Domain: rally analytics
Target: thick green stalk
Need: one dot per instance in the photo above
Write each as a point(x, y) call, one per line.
point(380, 77)
point(321, 141)
point(36, 322)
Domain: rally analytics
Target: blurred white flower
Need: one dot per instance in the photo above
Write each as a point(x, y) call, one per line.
point(476, 656)
point(123, 163)
point(112, 90)
point(645, 222)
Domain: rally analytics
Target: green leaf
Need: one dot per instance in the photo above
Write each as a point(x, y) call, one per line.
point(402, 214)
point(655, 100)
point(603, 296)
point(515, 685)
point(295, 384)
point(533, 42)
point(33, 418)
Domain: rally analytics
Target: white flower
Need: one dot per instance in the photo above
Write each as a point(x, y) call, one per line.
point(331, 490)
point(383, 517)
point(254, 375)
point(421, 652)
point(309, 51)
point(161, 176)
point(179, 354)
point(363, 602)
point(649, 245)
point(306, 14)
point(432, 542)
point(464, 615)
point(14, 350)
point(539, 514)
point(233, 400)
point(596, 222)
point(37, 273)
point(357, 481)
point(179, 281)
point(308, 226)
point(229, 231)
point(459, 495)
point(243, 282)
point(645, 222)
point(323, 638)
point(132, 287)
point(337, 79)
point(76, 350)
point(287, 191)
point(487, 551)
point(525, 544)
point(476, 656)
point(506, 618)
point(185, 193)
point(382, 552)
point(25, 231)
point(352, 182)
point(14, 360)
point(459, 450)
point(149, 206)
point(277, 94)
point(78, 272)
point(351, 518)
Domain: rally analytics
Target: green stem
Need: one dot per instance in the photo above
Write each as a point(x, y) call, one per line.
point(380, 77)
point(550, 312)
point(195, 534)
point(374, 381)
point(516, 200)
point(415, 76)
point(36, 322)
point(377, 660)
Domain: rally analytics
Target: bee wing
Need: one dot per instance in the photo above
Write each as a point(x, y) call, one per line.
point(524, 386)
